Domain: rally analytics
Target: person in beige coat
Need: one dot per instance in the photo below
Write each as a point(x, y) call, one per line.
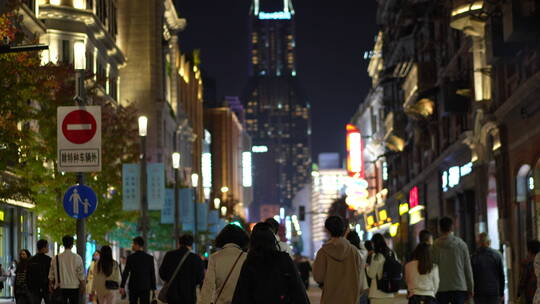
point(224, 266)
point(105, 270)
point(338, 266)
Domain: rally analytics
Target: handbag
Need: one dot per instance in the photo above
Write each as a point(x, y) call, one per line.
point(57, 297)
point(112, 284)
point(162, 296)
point(227, 278)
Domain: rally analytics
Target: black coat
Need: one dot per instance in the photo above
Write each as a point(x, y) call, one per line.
point(488, 272)
point(141, 272)
point(191, 274)
point(273, 280)
point(37, 273)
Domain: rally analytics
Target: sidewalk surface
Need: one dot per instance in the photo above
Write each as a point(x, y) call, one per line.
point(314, 294)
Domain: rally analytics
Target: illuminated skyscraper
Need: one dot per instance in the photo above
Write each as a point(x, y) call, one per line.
point(277, 114)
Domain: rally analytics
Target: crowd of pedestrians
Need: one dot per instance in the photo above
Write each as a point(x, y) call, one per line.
point(258, 268)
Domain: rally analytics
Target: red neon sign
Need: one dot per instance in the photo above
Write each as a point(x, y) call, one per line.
point(413, 197)
point(355, 152)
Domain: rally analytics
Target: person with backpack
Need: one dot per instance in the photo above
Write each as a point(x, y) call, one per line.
point(106, 281)
point(268, 275)
point(338, 266)
point(38, 274)
point(67, 273)
point(422, 276)
point(22, 294)
point(452, 255)
point(183, 271)
point(354, 239)
point(224, 266)
point(384, 271)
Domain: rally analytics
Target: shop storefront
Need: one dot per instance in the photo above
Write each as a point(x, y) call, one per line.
point(17, 231)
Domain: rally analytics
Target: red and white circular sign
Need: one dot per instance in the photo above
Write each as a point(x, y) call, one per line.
point(79, 126)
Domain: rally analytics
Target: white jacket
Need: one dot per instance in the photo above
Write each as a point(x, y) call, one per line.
point(375, 272)
point(219, 265)
point(421, 284)
point(71, 270)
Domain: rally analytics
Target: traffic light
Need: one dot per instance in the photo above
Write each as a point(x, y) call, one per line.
point(302, 213)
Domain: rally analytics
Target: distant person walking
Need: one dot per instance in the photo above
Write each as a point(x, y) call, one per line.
point(268, 275)
point(488, 272)
point(190, 275)
point(224, 266)
point(375, 271)
point(274, 225)
point(354, 239)
point(3, 278)
point(70, 267)
point(22, 294)
point(106, 281)
point(304, 268)
point(338, 265)
point(425, 237)
point(527, 278)
point(451, 254)
point(90, 274)
point(38, 274)
point(422, 276)
point(140, 272)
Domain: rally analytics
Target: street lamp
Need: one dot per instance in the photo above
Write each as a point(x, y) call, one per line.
point(176, 167)
point(195, 184)
point(217, 202)
point(224, 189)
point(143, 124)
point(223, 210)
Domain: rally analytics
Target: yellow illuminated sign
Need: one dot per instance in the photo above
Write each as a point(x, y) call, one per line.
point(383, 215)
point(403, 208)
point(370, 220)
point(416, 216)
point(1, 215)
point(393, 229)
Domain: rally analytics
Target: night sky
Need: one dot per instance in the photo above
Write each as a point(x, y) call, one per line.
point(331, 38)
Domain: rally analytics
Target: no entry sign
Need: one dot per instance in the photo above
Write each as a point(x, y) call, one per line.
point(79, 139)
point(79, 126)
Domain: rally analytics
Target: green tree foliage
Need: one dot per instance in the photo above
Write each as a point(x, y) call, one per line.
point(29, 96)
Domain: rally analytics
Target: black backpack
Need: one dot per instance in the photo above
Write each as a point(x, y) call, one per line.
point(392, 275)
point(36, 278)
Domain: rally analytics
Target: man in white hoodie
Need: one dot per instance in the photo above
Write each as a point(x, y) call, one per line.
point(337, 266)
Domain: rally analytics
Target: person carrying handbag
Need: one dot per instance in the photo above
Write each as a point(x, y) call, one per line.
point(66, 275)
point(106, 281)
point(224, 266)
point(183, 271)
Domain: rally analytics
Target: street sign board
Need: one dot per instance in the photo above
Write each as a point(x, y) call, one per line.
point(79, 138)
point(80, 201)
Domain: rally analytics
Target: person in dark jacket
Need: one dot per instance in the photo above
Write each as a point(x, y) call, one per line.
point(183, 286)
point(37, 274)
point(268, 275)
point(22, 296)
point(488, 272)
point(527, 278)
point(141, 274)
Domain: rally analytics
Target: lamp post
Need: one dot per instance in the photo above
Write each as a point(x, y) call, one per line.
point(225, 200)
point(176, 167)
point(143, 228)
point(195, 184)
point(79, 64)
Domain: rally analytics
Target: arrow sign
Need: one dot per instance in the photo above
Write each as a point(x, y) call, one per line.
point(79, 139)
point(80, 201)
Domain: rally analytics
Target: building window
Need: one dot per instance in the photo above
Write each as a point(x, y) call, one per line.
point(66, 51)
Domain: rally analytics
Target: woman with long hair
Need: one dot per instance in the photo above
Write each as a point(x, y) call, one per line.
point(22, 294)
point(422, 276)
point(268, 276)
point(90, 275)
point(375, 270)
point(106, 281)
point(224, 266)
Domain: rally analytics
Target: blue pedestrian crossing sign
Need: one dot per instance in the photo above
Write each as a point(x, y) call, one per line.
point(80, 201)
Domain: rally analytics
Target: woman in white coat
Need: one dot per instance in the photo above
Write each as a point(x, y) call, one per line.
point(422, 276)
point(224, 266)
point(375, 271)
point(106, 280)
